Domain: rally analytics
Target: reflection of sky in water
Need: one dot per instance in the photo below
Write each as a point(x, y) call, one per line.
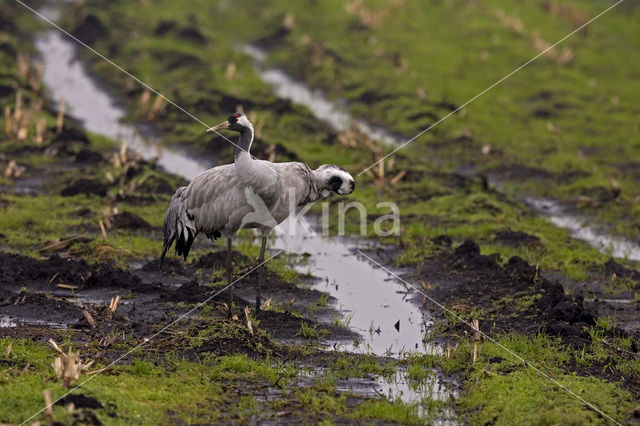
point(616, 246)
point(323, 109)
point(66, 78)
point(372, 301)
point(6, 321)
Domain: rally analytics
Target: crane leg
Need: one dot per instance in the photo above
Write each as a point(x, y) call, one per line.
point(260, 272)
point(229, 272)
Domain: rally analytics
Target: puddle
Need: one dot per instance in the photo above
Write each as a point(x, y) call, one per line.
point(7, 321)
point(421, 393)
point(615, 246)
point(66, 78)
point(372, 302)
point(285, 87)
point(612, 301)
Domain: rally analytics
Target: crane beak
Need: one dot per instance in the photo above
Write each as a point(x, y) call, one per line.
point(223, 125)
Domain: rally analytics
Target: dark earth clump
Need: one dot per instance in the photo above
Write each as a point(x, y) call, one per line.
point(128, 220)
point(442, 240)
point(171, 266)
point(156, 185)
point(611, 267)
point(189, 292)
point(217, 259)
point(90, 29)
point(88, 156)
point(70, 134)
point(510, 296)
point(512, 238)
point(80, 401)
point(600, 194)
point(85, 186)
point(18, 271)
point(515, 297)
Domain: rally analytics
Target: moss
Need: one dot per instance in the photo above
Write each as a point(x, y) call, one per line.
point(236, 367)
point(311, 331)
point(513, 397)
point(361, 366)
point(389, 411)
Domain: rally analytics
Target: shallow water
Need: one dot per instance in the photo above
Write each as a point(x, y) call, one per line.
point(7, 321)
point(286, 87)
point(420, 393)
point(66, 78)
point(615, 246)
point(372, 301)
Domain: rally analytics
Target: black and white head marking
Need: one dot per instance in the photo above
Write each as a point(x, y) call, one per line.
point(239, 122)
point(332, 178)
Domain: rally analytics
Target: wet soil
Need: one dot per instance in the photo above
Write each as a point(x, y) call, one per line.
point(512, 238)
point(514, 297)
point(32, 293)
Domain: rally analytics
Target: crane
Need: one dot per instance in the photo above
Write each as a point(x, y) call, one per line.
point(248, 193)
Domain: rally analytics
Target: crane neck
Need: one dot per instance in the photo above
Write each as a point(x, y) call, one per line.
point(244, 142)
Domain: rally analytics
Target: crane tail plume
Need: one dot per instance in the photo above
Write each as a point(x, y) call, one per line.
point(165, 246)
point(178, 227)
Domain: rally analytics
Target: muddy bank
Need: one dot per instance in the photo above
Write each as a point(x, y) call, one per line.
point(508, 296)
point(57, 290)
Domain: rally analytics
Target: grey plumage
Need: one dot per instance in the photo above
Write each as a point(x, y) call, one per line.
point(214, 203)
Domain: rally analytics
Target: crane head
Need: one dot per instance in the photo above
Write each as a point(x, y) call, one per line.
point(332, 178)
point(238, 122)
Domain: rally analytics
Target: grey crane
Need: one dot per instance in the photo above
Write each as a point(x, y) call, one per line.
point(249, 193)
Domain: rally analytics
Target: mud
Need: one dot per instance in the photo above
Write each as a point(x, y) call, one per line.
point(128, 220)
point(85, 186)
point(80, 401)
point(470, 278)
point(517, 297)
point(90, 29)
point(41, 309)
point(20, 271)
point(512, 238)
point(30, 297)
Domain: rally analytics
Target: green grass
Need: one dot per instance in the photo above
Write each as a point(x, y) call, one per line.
point(514, 397)
point(363, 366)
point(144, 390)
point(389, 411)
point(501, 389)
point(311, 331)
point(591, 108)
point(155, 388)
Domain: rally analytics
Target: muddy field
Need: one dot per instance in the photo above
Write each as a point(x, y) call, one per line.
point(535, 240)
